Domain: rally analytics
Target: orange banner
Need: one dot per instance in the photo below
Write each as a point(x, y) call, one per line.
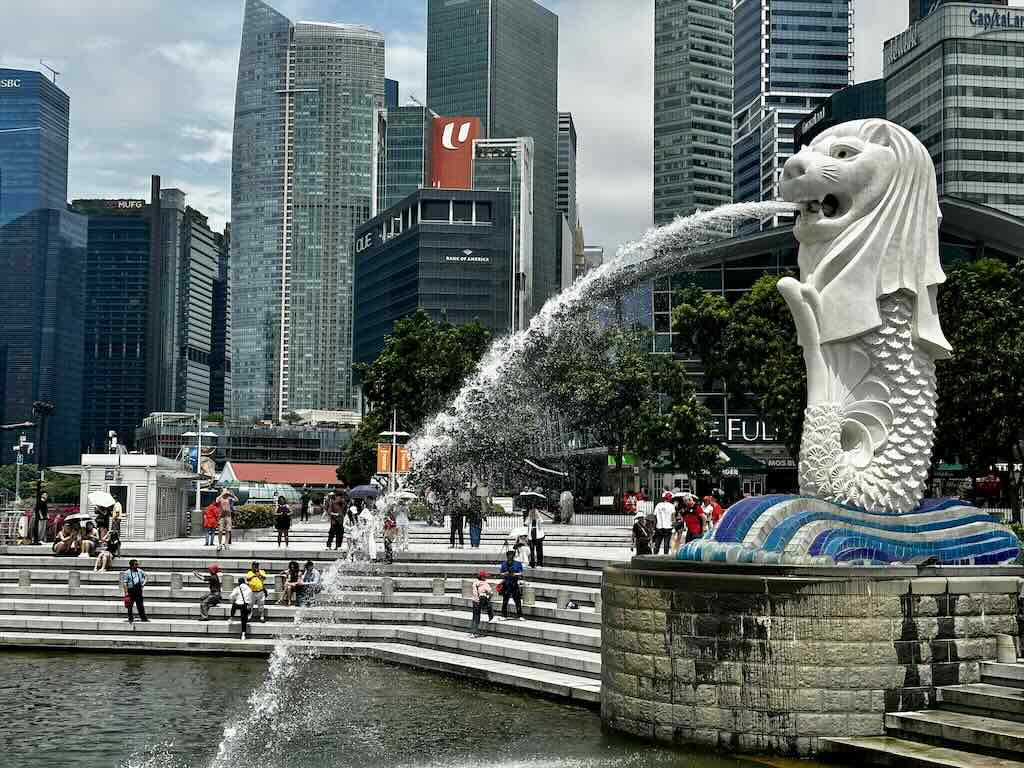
point(403, 463)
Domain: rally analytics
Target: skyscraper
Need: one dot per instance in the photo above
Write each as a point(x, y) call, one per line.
point(402, 144)
point(789, 57)
point(565, 195)
point(42, 246)
point(498, 60)
point(301, 182)
point(693, 88)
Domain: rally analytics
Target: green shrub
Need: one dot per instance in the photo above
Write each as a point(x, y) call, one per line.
point(419, 511)
point(254, 516)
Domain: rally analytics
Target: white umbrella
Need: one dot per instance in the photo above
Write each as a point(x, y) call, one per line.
point(532, 494)
point(80, 516)
point(405, 495)
point(101, 499)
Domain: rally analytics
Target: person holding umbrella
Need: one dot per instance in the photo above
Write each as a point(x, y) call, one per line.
point(132, 581)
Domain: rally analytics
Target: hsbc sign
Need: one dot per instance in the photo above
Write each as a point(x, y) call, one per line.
point(451, 161)
point(10, 83)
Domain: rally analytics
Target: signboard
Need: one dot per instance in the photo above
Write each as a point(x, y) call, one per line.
point(10, 83)
point(466, 256)
point(994, 19)
point(742, 428)
point(21, 459)
point(901, 45)
point(403, 463)
point(451, 157)
point(124, 205)
point(108, 474)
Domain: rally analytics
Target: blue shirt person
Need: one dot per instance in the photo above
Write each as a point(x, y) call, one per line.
point(132, 581)
point(511, 571)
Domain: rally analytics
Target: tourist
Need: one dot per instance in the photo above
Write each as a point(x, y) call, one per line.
point(641, 535)
point(87, 540)
point(511, 573)
point(283, 520)
point(368, 533)
point(241, 601)
point(693, 518)
point(256, 578)
point(335, 527)
point(309, 584)
point(566, 507)
point(712, 511)
point(521, 548)
point(481, 601)
point(535, 526)
point(132, 581)
point(115, 518)
point(37, 518)
point(304, 505)
point(402, 523)
point(476, 527)
point(211, 517)
point(66, 542)
point(103, 515)
point(212, 579)
point(292, 581)
point(678, 532)
point(106, 550)
point(390, 534)
point(457, 521)
point(663, 512)
point(225, 501)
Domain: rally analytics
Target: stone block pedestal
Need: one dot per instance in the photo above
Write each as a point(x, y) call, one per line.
point(755, 658)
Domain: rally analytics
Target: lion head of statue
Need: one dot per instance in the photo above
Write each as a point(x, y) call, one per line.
point(868, 226)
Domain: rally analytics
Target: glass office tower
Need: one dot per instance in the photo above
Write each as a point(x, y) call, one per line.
point(42, 246)
point(402, 141)
point(301, 179)
point(789, 57)
point(498, 60)
point(693, 50)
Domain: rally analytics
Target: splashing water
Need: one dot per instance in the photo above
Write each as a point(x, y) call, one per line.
point(662, 250)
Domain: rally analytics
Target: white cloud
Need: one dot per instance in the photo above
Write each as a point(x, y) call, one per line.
point(217, 144)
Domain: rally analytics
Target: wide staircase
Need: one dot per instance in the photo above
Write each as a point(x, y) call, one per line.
point(979, 725)
point(416, 611)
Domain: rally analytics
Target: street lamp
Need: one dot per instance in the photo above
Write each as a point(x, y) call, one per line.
point(199, 435)
point(394, 434)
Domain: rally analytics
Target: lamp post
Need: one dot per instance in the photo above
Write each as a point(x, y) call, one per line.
point(199, 435)
point(42, 410)
point(394, 434)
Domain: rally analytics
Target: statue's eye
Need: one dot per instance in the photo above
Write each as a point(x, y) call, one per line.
point(843, 152)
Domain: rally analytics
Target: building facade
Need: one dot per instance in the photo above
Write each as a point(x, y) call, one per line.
point(497, 60)
point(42, 248)
point(565, 199)
point(402, 141)
point(953, 79)
point(693, 106)
point(856, 102)
point(302, 181)
point(447, 252)
point(788, 57)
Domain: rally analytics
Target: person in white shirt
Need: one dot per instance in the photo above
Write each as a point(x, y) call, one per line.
point(241, 601)
point(402, 523)
point(368, 533)
point(535, 528)
point(663, 512)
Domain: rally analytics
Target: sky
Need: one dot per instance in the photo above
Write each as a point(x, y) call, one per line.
point(152, 89)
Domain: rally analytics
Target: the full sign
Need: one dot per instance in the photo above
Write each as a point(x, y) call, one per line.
point(451, 156)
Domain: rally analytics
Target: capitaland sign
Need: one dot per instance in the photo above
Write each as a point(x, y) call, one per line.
point(901, 45)
point(10, 83)
point(996, 19)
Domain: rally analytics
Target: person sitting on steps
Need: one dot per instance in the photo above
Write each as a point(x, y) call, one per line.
point(212, 579)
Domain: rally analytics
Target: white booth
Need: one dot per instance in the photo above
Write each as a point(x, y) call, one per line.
point(157, 494)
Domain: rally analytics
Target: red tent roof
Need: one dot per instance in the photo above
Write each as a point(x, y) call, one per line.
point(287, 474)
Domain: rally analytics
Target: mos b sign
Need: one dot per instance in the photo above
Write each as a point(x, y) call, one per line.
point(451, 156)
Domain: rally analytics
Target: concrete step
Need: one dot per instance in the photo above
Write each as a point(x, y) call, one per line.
point(562, 685)
point(1009, 675)
point(984, 699)
point(902, 753)
point(945, 728)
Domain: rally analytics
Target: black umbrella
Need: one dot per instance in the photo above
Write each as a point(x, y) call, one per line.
point(364, 492)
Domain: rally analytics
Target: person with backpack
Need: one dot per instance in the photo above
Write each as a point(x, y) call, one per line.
point(241, 601)
point(211, 519)
point(256, 579)
point(481, 601)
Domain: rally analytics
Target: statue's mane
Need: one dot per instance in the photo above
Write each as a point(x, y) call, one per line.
point(893, 247)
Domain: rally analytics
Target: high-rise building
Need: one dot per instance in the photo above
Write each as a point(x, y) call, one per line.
point(565, 190)
point(42, 246)
point(498, 60)
point(918, 9)
point(390, 93)
point(856, 102)
point(402, 154)
point(301, 177)
point(789, 57)
point(693, 106)
point(951, 79)
point(157, 308)
point(507, 165)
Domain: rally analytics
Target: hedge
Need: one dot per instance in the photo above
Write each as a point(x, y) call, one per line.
point(254, 516)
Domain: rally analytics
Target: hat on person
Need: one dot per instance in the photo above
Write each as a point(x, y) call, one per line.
point(482, 575)
point(638, 515)
point(309, 563)
point(241, 580)
point(666, 496)
point(214, 568)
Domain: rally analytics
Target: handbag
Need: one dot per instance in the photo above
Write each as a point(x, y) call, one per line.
point(127, 600)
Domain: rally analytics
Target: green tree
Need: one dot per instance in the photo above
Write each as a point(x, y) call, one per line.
point(62, 489)
point(751, 348)
point(421, 367)
point(981, 387)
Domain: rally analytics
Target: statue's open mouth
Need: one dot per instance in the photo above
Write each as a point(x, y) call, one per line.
point(828, 206)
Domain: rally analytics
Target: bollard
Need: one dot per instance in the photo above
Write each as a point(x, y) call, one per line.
point(176, 584)
point(529, 595)
point(467, 588)
point(562, 599)
point(74, 579)
point(1006, 651)
point(387, 589)
point(24, 578)
point(437, 586)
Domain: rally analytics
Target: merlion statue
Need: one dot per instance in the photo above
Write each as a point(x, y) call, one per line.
point(865, 312)
point(866, 318)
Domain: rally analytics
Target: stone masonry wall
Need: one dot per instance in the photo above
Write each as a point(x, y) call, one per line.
point(772, 663)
